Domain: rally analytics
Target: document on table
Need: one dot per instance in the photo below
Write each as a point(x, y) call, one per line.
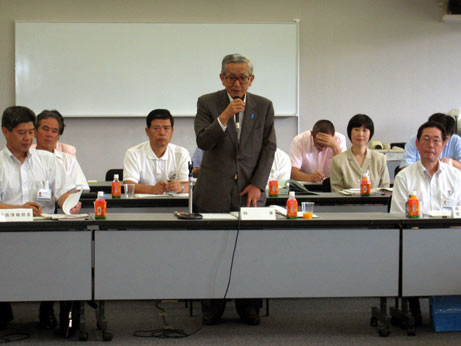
point(218, 216)
point(163, 195)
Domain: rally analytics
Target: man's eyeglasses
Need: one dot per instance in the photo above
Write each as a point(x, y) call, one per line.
point(158, 128)
point(435, 140)
point(242, 79)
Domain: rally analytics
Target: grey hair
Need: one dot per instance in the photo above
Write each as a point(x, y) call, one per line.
point(236, 58)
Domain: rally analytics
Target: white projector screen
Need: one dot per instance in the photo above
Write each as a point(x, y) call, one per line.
point(128, 69)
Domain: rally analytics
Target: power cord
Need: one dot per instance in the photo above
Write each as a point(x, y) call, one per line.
point(167, 332)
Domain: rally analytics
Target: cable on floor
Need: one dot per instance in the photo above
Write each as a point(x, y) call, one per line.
point(167, 332)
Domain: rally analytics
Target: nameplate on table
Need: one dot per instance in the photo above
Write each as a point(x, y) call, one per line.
point(14, 215)
point(251, 213)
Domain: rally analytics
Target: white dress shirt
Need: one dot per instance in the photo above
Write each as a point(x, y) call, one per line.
point(20, 182)
point(281, 167)
point(73, 170)
point(435, 192)
point(142, 166)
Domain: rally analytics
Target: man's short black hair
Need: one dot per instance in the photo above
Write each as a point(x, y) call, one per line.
point(51, 114)
point(15, 115)
point(159, 114)
point(447, 121)
point(323, 126)
point(432, 124)
point(360, 120)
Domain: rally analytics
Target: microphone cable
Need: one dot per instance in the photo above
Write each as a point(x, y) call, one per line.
point(239, 216)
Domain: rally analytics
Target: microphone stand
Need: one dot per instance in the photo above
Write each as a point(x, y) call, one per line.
point(190, 215)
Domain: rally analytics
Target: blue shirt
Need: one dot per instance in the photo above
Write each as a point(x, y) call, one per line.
point(451, 150)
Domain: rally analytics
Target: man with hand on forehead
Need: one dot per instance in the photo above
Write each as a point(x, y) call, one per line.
point(312, 152)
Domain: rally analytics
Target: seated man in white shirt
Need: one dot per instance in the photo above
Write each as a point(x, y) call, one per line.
point(281, 167)
point(23, 171)
point(157, 166)
point(311, 152)
point(436, 183)
point(50, 125)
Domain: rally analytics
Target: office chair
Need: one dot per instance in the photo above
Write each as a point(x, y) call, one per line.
point(110, 174)
point(397, 170)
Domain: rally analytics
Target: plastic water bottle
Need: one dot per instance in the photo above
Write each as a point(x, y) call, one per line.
point(116, 187)
point(292, 206)
point(100, 206)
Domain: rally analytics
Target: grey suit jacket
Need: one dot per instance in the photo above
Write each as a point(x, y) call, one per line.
point(225, 157)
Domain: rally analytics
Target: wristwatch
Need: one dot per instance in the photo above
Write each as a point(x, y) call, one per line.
point(183, 187)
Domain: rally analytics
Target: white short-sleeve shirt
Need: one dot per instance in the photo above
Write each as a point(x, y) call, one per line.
point(142, 166)
point(281, 167)
point(435, 192)
point(73, 170)
point(20, 182)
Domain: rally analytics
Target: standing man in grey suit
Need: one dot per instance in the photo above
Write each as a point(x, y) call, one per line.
point(235, 129)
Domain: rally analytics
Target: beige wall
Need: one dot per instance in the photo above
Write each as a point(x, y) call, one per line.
point(392, 59)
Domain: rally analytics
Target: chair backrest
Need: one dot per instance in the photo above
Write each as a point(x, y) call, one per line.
point(110, 174)
point(326, 185)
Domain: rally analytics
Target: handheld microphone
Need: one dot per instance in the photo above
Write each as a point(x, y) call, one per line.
point(237, 122)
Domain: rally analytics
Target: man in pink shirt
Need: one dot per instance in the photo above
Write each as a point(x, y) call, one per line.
point(311, 152)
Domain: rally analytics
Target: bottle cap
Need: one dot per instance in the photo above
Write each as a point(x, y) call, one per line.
point(101, 194)
point(291, 194)
point(115, 176)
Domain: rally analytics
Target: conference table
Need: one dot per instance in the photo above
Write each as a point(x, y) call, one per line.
point(156, 256)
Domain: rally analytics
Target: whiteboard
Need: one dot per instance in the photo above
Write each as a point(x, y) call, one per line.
point(128, 69)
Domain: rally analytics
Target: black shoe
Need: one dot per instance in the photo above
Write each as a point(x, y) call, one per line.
point(251, 316)
point(212, 310)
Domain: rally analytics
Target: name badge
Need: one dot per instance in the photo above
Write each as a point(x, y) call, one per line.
point(44, 192)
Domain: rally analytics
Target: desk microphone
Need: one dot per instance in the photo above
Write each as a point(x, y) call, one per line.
point(190, 215)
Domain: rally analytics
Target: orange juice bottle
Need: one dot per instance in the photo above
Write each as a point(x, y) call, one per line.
point(100, 206)
point(292, 206)
point(413, 206)
point(365, 184)
point(116, 187)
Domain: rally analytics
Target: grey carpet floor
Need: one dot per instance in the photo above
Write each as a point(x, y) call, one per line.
point(342, 321)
